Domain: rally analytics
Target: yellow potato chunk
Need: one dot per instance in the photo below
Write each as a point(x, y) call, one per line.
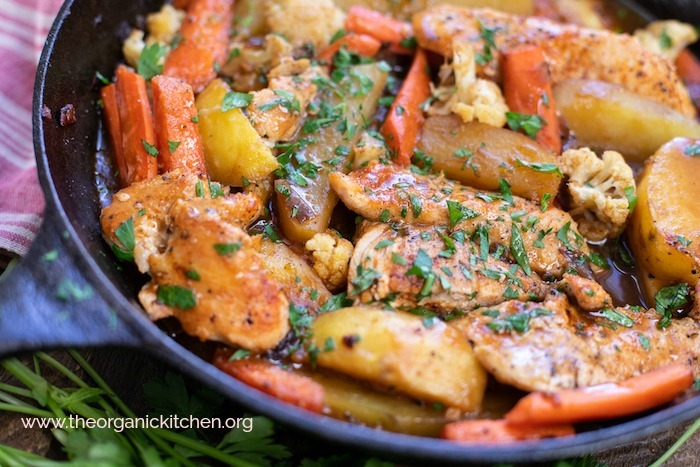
point(665, 225)
point(232, 147)
point(607, 116)
point(426, 360)
point(479, 155)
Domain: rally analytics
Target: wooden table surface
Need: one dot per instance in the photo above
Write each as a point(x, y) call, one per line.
point(126, 371)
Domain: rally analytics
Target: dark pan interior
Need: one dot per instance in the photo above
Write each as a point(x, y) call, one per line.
point(86, 39)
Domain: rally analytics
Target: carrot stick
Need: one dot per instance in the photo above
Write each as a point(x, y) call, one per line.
point(400, 129)
point(528, 90)
point(136, 127)
point(174, 109)
point(688, 67)
point(204, 43)
point(271, 379)
point(361, 44)
point(385, 29)
point(604, 401)
point(110, 109)
point(500, 431)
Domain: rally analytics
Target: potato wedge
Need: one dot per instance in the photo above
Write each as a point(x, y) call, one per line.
point(425, 360)
point(304, 211)
point(665, 224)
point(607, 116)
point(404, 9)
point(298, 280)
point(350, 400)
point(478, 155)
point(232, 148)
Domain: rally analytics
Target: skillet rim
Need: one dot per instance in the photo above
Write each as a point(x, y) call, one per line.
point(414, 448)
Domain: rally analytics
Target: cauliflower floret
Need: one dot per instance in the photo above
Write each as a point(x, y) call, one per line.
point(292, 19)
point(471, 98)
point(600, 190)
point(330, 255)
point(367, 149)
point(162, 29)
point(667, 38)
point(133, 46)
point(164, 25)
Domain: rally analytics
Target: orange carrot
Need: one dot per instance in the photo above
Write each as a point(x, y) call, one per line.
point(361, 44)
point(688, 67)
point(400, 129)
point(500, 431)
point(136, 121)
point(110, 109)
point(528, 90)
point(271, 379)
point(204, 43)
point(385, 29)
point(604, 401)
point(179, 142)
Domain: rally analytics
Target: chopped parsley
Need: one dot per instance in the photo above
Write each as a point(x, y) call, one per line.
point(631, 198)
point(665, 41)
point(236, 100)
point(517, 249)
point(193, 274)
point(670, 299)
point(519, 322)
point(150, 61)
point(364, 279)
point(692, 150)
point(150, 149)
point(543, 167)
point(225, 249)
point(530, 124)
point(173, 145)
point(644, 341)
point(398, 259)
point(416, 205)
point(239, 355)
point(125, 235)
point(176, 297)
point(458, 212)
point(383, 244)
point(487, 34)
point(615, 316)
point(544, 204)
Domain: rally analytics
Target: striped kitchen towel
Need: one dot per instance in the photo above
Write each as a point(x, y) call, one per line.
point(24, 25)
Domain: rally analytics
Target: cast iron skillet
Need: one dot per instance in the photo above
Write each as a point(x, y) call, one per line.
point(84, 39)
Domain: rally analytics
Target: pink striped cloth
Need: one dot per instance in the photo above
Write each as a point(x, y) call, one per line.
point(24, 25)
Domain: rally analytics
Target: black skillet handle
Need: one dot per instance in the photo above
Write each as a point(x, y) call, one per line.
point(46, 302)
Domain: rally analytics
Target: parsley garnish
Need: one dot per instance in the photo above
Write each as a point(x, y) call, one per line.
point(519, 322)
point(487, 35)
point(692, 150)
point(193, 274)
point(225, 249)
point(383, 244)
point(236, 100)
point(68, 291)
point(336, 302)
point(125, 235)
point(364, 279)
point(517, 249)
point(239, 354)
point(643, 341)
point(458, 212)
point(416, 205)
point(615, 316)
point(176, 297)
point(631, 198)
point(541, 167)
point(530, 124)
point(102, 78)
point(544, 204)
point(398, 259)
point(149, 64)
point(423, 268)
point(173, 145)
point(150, 149)
point(670, 299)
point(665, 41)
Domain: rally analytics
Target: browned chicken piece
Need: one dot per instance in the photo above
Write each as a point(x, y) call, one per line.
point(391, 193)
point(552, 345)
point(586, 293)
point(454, 278)
point(278, 111)
point(298, 280)
point(213, 280)
point(572, 52)
point(147, 203)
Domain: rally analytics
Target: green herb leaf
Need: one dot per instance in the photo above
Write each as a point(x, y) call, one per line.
point(239, 354)
point(644, 341)
point(517, 249)
point(69, 291)
point(458, 212)
point(383, 244)
point(668, 300)
point(398, 259)
point(364, 279)
point(173, 145)
point(416, 205)
point(665, 41)
point(692, 150)
point(176, 297)
point(236, 100)
point(125, 235)
point(530, 124)
point(615, 316)
point(631, 198)
point(150, 149)
point(541, 167)
point(150, 62)
point(225, 249)
point(336, 302)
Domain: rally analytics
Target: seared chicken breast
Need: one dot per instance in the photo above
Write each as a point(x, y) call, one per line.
point(212, 278)
point(377, 192)
point(434, 268)
point(552, 345)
